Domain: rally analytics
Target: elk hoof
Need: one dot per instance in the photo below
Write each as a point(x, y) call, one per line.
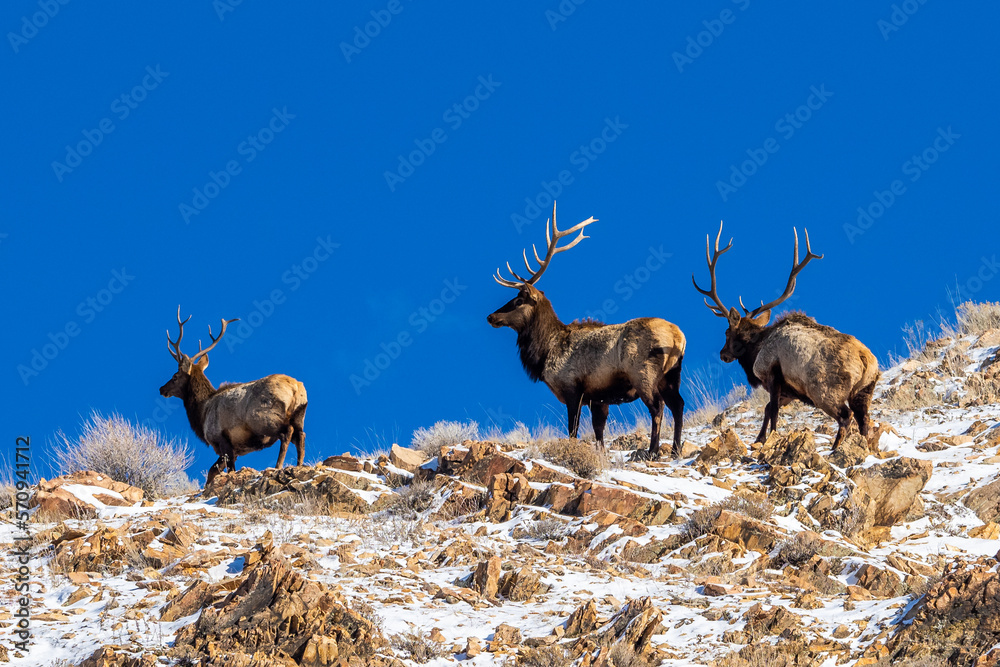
point(645, 455)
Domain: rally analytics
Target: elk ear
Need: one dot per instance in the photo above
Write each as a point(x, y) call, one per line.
point(185, 365)
point(762, 319)
point(203, 363)
point(734, 318)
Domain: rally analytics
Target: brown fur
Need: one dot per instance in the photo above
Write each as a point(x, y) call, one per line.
point(798, 358)
point(240, 418)
point(599, 364)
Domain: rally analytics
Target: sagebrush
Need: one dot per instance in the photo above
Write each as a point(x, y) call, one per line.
point(126, 452)
point(578, 456)
point(444, 433)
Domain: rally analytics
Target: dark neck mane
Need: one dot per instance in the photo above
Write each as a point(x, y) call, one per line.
point(537, 339)
point(200, 389)
point(749, 355)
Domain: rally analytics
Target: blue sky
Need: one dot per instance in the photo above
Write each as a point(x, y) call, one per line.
point(219, 155)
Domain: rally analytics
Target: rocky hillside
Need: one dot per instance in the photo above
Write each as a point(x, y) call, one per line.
point(883, 552)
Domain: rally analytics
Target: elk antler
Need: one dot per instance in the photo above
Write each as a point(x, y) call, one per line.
point(176, 351)
point(796, 267)
point(215, 340)
point(712, 293)
point(552, 237)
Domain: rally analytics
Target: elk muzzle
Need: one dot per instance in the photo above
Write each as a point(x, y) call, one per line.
point(726, 353)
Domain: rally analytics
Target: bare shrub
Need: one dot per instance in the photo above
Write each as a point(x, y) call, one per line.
point(413, 499)
point(444, 433)
point(795, 551)
point(980, 390)
point(578, 456)
point(850, 520)
point(544, 656)
point(915, 337)
point(622, 654)
point(367, 612)
point(520, 433)
point(417, 647)
point(977, 318)
point(954, 362)
point(546, 529)
point(755, 506)
point(125, 452)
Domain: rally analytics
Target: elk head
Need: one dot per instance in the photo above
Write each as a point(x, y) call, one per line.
point(744, 329)
point(517, 312)
point(179, 383)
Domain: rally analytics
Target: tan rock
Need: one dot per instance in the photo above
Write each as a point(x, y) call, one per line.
point(505, 636)
point(344, 462)
point(506, 491)
point(55, 499)
point(985, 501)
point(880, 583)
point(187, 603)
point(726, 447)
point(486, 578)
point(714, 590)
point(583, 619)
point(891, 489)
point(407, 459)
point(789, 449)
point(274, 613)
point(988, 531)
point(520, 585)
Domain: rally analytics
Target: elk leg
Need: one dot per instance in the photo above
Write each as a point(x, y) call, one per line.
point(285, 436)
point(672, 397)
point(574, 404)
point(226, 454)
point(299, 437)
point(655, 416)
point(771, 409)
point(599, 416)
point(216, 468)
point(860, 405)
point(844, 423)
point(300, 446)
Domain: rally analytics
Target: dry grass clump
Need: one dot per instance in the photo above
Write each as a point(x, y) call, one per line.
point(367, 612)
point(520, 433)
point(413, 499)
point(578, 456)
point(549, 529)
point(622, 654)
point(796, 551)
point(708, 398)
point(417, 647)
point(755, 506)
point(545, 656)
point(981, 390)
point(125, 452)
point(915, 337)
point(442, 434)
point(977, 318)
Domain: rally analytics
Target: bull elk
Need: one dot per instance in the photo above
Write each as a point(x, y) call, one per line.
point(795, 357)
point(590, 362)
point(239, 418)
